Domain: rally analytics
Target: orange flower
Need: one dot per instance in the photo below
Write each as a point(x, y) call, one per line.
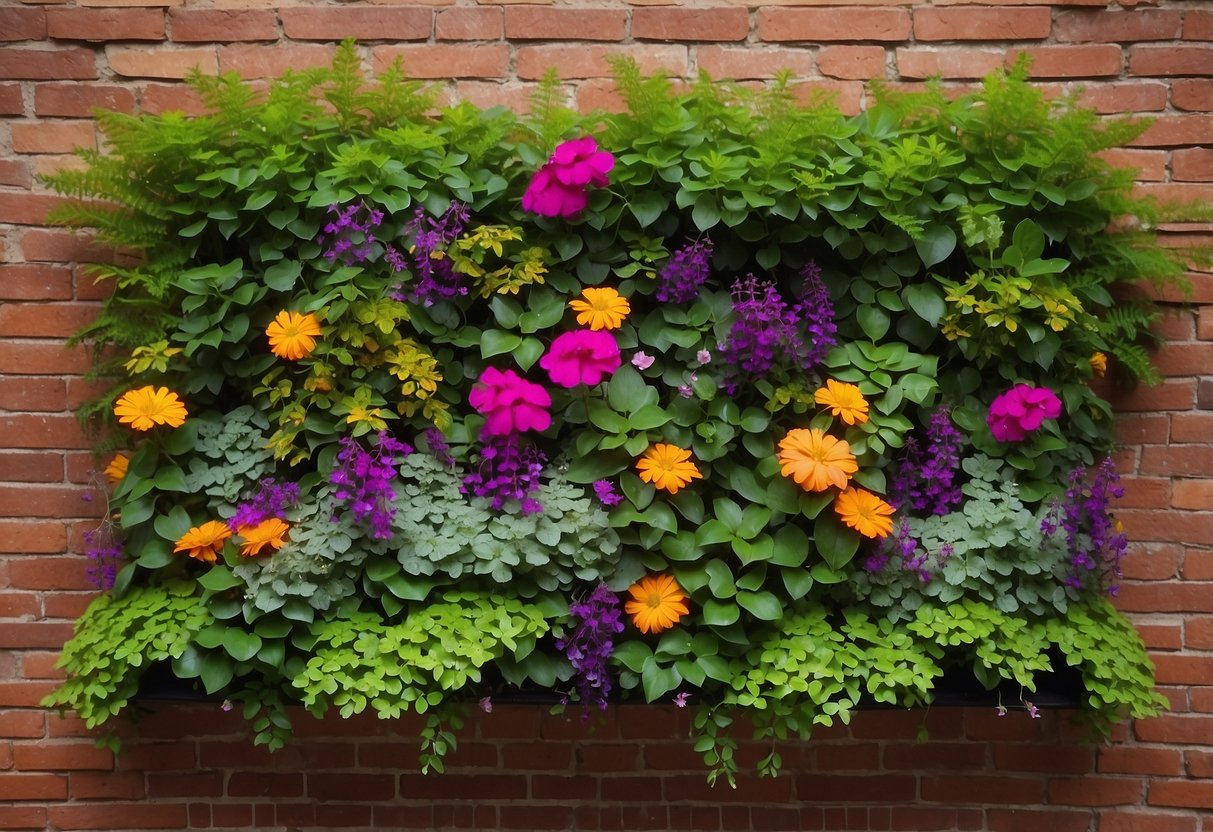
point(815, 459)
point(1099, 364)
point(843, 400)
point(657, 603)
point(116, 470)
point(147, 407)
point(668, 467)
point(864, 512)
point(266, 533)
point(603, 308)
point(293, 336)
point(204, 542)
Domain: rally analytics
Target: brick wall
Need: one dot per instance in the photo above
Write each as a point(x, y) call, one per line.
point(193, 766)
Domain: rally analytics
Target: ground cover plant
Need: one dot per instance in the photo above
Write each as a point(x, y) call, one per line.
point(726, 399)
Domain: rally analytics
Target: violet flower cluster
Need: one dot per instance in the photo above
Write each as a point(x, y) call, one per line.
point(104, 555)
point(271, 499)
point(605, 491)
point(438, 446)
point(508, 470)
point(926, 479)
point(364, 480)
point(684, 274)
point(816, 310)
point(598, 619)
point(350, 233)
point(434, 276)
point(1095, 541)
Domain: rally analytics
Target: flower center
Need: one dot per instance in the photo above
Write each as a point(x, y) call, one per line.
point(653, 601)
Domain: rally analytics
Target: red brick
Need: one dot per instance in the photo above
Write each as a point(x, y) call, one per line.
point(16, 173)
point(22, 24)
point(48, 64)
point(194, 784)
point(105, 24)
point(702, 24)
point(948, 63)
point(1143, 428)
point(31, 467)
point(64, 247)
point(855, 62)
point(981, 24)
point(981, 789)
point(1170, 60)
point(591, 61)
point(136, 62)
point(1142, 492)
point(22, 817)
point(1183, 669)
point(1193, 494)
point(70, 756)
point(1037, 820)
point(1192, 94)
point(1111, 27)
point(1198, 566)
point(1193, 164)
point(23, 358)
point(222, 25)
point(537, 756)
point(853, 756)
point(540, 23)
point(408, 23)
point(1071, 61)
point(30, 394)
point(33, 787)
point(1170, 395)
point(53, 136)
point(119, 816)
point(470, 24)
point(44, 320)
point(1198, 25)
point(1139, 760)
point(161, 98)
point(1095, 791)
point(744, 63)
point(1150, 165)
point(1148, 821)
point(934, 756)
point(493, 93)
point(351, 786)
point(22, 723)
point(1153, 562)
point(79, 100)
point(846, 24)
point(1183, 793)
point(1129, 97)
point(1044, 758)
point(445, 61)
point(1169, 728)
point(107, 785)
point(12, 103)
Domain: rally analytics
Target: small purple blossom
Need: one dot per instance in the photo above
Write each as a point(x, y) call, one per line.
point(104, 555)
point(438, 447)
point(684, 274)
point(1097, 542)
point(508, 470)
point(1033, 711)
point(606, 493)
point(703, 356)
point(817, 311)
point(1001, 710)
point(486, 704)
point(642, 360)
point(364, 481)
point(271, 499)
point(680, 699)
point(349, 234)
point(227, 705)
point(434, 275)
point(597, 619)
point(926, 478)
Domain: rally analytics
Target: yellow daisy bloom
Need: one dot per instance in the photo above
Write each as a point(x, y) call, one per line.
point(266, 533)
point(815, 459)
point(843, 400)
point(204, 542)
point(147, 407)
point(657, 603)
point(116, 470)
point(864, 512)
point(293, 336)
point(1099, 364)
point(603, 308)
point(668, 467)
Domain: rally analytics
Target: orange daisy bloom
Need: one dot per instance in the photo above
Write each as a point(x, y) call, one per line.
point(266, 533)
point(668, 467)
point(293, 336)
point(149, 406)
point(815, 459)
point(603, 308)
point(864, 512)
point(204, 542)
point(843, 400)
point(116, 470)
point(657, 603)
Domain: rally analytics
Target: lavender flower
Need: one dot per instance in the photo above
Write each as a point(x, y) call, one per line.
point(685, 272)
point(104, 555)
point(598, 618)
point(642, 360)
point(350, 233)
point(605, 491)
point(434, 275)
point(270, 500)
point(1096, 542)
point(680, 699)
point(364, 481)
point(817, 311)
point(508, 470)
point(438, 447)
point(926, 480)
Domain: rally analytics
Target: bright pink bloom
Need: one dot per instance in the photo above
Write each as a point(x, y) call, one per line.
point(559, 187)
point(1021, 410)
point(583, 356)
point(510, 404)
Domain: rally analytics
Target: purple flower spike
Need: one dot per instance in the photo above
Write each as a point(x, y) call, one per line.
point(597, 620)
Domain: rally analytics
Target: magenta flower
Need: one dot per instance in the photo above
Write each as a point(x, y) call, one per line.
point(510, 404)
point(1021, 410)
point(583, 356)
point(559, 187)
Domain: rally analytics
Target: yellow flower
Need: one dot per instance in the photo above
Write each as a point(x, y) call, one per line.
point(864, 512)
point(147, 407)
point(668, 467)
point(815, 459)
point(116, 470)
point(603, 308)
point(843, 400)
point(1099, 364)
point(266, 533)
point(370, 415)
point(657, 603)
point(293, 336)
point(204, 542)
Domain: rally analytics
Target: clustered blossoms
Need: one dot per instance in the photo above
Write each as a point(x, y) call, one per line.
point(1020, 411)
point(684, 274)
point(926, 478)
point(605, 491)
point(1096, 542)
point(508, 470)
point(271, 499)
point(558, 189)
point(816, 310)
point(350, 233)
point(364, 480)
point(434, 275)
point(597, 620)
point(104, 554)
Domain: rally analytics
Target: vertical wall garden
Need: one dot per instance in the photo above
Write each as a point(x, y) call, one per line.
point(726, 399)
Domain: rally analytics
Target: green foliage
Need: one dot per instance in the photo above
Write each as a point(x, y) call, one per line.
point(230, 456)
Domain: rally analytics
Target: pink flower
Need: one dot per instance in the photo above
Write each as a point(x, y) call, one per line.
point(559, 187)
point(1021, 410)
point(510, 404)
point(583, 356)
point(642, 360)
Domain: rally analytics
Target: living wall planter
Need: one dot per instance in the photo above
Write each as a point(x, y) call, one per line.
point(723, 399)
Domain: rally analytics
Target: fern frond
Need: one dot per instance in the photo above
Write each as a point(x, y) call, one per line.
point(550, 118)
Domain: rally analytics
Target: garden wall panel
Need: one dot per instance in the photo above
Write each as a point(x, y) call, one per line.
point(192, 766)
